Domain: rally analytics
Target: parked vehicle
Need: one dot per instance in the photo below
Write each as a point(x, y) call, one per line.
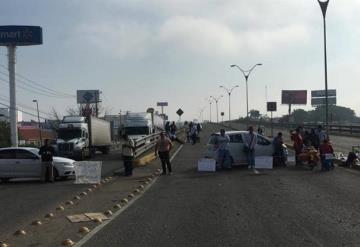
point(140, 124)
point(80, 137)
point(263, 148)
point(23, 162)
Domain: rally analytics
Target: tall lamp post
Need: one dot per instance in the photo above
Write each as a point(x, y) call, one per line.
point(246, 74)
point(210, 102)
point(323, 6)
point(229, 91)
point(38, 115)
point(216, 99)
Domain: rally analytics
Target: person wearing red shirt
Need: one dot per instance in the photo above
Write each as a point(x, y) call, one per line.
point(298, 144)
point(326, 154)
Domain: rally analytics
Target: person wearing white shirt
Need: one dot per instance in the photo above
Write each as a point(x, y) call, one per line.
point(249, 147)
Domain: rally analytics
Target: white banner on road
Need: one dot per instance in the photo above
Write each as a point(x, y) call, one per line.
point(87, 172)
point(264, 162)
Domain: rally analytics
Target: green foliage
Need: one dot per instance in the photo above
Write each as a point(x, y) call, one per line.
point(254, 114)
point(5, 140)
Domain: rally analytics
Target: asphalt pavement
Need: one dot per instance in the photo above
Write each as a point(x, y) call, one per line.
point(282, 207)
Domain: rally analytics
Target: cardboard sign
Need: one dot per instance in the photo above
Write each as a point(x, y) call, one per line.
point(206, 165)
point(264, 162)
point(87, 172)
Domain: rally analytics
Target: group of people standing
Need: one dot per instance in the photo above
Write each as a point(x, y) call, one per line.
point(313, 140)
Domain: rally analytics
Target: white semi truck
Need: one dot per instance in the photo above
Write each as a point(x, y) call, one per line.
point(80, 137)
point(141, 124)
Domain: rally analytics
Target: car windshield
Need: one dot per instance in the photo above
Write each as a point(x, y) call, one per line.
point(68, 134)
point(34, 151)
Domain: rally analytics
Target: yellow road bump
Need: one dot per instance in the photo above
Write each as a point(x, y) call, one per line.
point(102, 181)
point(149, 179)
point(67, 242)
point(60, 208)
point(141, 187)
point(2, 244)
point(36, 223)
point(69, 203)
point(89, 190)
point(49, 215)
point(116, 206)
point(83, 193)
point(130, 196)
point(158, 170)
point(83, 230)
point(124, 200)
point(110, 178)
point(20, 233)
point(77, 198)
point(109, 212)
point(136, 191)
point(97, 220)
point(94, 186)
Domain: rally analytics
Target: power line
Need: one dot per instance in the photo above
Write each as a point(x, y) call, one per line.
point(24, 106)
point(59, 93)
point(27, 113)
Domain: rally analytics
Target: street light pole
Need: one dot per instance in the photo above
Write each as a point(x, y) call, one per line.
point(38, 115)
point(323, 6)
point(217, 107)
point(210, 102)
point(229, 91)
point(246, 74)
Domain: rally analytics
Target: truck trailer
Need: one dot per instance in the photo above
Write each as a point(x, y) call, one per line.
point(141, 124)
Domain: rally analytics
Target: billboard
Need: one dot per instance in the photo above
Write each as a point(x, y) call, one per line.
point(20, 35)
point(321, 93)
point(87, 96)
point(162, 103)
point(321, 101)
point(294, 97)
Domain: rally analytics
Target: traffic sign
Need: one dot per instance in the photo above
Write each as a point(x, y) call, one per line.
point(271, 106)
point(321, 93)
point(162, 103)
point(179, 112)
point(20, 35)
point(321, 101)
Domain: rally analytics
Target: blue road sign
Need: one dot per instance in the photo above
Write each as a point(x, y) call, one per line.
point(20, 35)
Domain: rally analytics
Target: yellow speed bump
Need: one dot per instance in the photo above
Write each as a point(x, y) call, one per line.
point(2, 244)
point(36, 223)
point(60, 208)
point(109, 212)
point(97, 220)
point(83, 193)
point(77, 198)
point(149, 179)
point(20, 233)
point(116, 206)
point(136, 191)
point(130, 196)
point(83, 230)
point(67, 242)
point(69, 203)
point(140, 187)
point(89, 190)
point(110, 178)
point(124, 200)
point(94, 186)
point(49, 215)
point(158, 170)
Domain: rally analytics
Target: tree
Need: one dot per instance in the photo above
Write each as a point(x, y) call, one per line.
point(300, 116)
point(254, 114)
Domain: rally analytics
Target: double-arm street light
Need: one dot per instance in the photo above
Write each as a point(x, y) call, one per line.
point(38, 115)
point(216, 99)
point(323, 6)
point(246, 74)
point(210, 102)
point(229, 91)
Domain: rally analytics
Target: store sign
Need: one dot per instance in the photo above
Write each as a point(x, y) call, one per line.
point(294, 97)
point(20, 35)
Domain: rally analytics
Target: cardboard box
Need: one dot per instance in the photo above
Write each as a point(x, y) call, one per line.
point(206, 165)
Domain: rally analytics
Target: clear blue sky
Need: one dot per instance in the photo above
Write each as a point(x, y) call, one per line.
point(138, 52)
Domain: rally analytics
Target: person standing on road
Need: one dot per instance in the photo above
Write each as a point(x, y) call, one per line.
point(127, 151)
point(162, 148)
point(278, 156)
point(326, 155)
point(298, 144)
point(223, 151)
point(47, 169)
point(321, 135)
point(249, 147)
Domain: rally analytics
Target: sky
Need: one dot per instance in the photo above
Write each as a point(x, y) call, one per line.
point(140, 52)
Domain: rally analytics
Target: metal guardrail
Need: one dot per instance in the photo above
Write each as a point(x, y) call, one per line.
point(333, 128)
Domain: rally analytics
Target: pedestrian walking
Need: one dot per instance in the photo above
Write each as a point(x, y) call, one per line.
point(249, 147)
point(162, 148)
point(47, 169)
point(193, 134)
point(278, 155)
point(223, 157)
point(173, 130)
point(128, 152)
point(326, 155)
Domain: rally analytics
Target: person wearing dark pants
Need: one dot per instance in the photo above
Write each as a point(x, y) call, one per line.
point(128, 149)
point(162, 148)
point(47, 168)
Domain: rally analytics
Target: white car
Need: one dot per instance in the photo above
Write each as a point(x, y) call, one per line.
point(263, 147)
point(24, 162)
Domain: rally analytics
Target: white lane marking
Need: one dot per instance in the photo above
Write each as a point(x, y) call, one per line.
point(98, 228)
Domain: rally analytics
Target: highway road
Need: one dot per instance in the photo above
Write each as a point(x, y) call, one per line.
point(282, 207)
